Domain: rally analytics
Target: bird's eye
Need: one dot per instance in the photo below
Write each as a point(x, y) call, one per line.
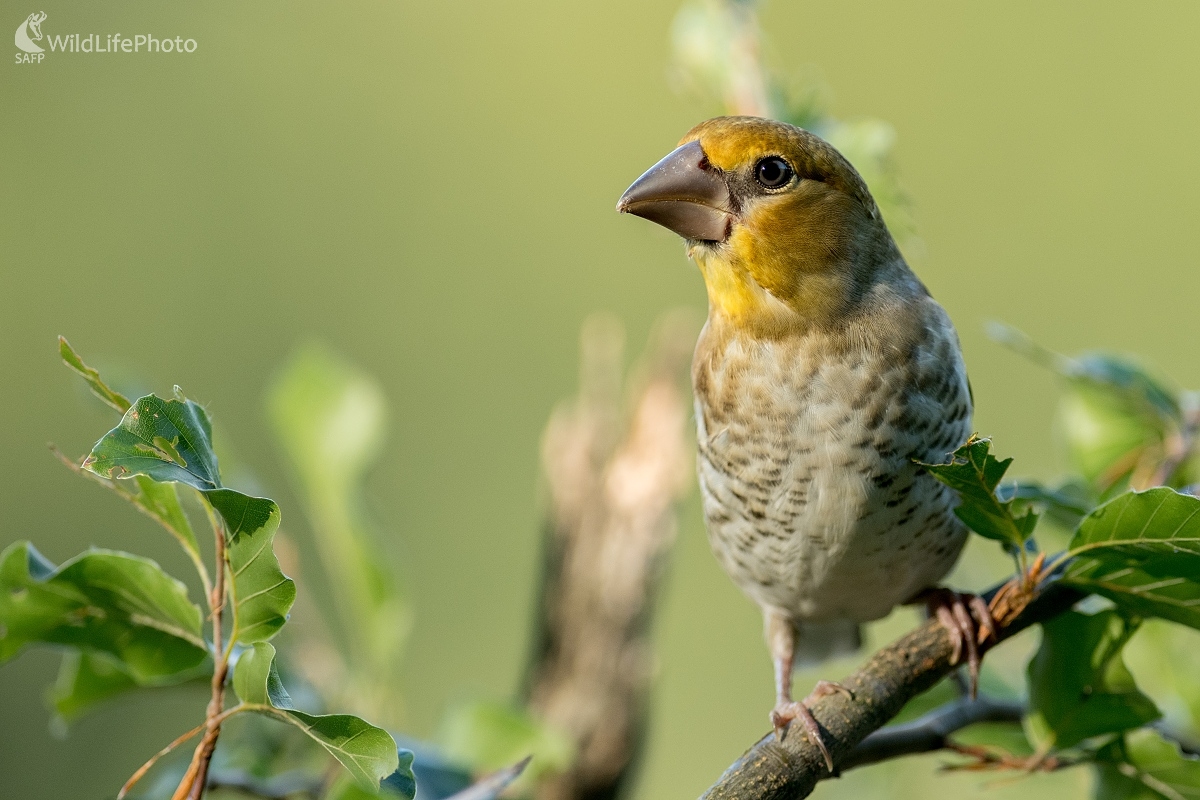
point(773, 172)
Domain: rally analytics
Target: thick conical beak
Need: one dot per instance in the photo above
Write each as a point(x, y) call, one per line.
point(683, 193)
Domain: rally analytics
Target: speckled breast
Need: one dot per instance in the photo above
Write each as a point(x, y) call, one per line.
point(807, 449)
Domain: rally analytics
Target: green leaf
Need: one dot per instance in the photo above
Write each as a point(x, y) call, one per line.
point(159, 501)
point(1142, 525)
point(1150, 589)
point(400, 785)
point(255, 679)
point(402, 782)
point(488, 736)
point(167, 440)
point(1078, 684)
point(1142, 551)
point(92, 377)
point(367, 752)
point(974, 473)
point(1145, 766)
point(171, 441)
point(330, 419)
point(101, 601)
point(262, 595)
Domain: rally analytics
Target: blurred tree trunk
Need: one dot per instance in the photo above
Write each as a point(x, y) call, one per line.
point(615, 463)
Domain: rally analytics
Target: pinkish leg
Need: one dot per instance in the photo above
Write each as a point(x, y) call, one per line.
point(781, 639)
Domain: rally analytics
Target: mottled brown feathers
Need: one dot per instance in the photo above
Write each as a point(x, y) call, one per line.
point(806, 457)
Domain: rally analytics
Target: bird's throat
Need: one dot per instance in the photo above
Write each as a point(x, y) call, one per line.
point(737, 297)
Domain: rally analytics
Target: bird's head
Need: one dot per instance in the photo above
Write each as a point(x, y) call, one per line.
point(780, 223)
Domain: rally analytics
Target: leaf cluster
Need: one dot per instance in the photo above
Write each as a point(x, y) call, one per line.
point(1134, 550)
point(124, 623)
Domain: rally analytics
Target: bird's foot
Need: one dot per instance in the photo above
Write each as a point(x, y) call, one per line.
point(787, 711)
point(968, 620)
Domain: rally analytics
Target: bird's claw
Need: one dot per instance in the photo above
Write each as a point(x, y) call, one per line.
point(968, 620)
point(787, 711)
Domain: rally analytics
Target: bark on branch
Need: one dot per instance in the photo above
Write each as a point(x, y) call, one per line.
point(774, 770)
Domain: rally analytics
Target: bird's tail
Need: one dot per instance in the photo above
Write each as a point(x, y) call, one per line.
point(821, 641)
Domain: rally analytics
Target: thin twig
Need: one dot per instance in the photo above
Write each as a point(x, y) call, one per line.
point(192, 785)
point(992, 759)
point(144, 768)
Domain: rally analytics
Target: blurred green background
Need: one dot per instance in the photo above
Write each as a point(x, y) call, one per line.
point(429, 188)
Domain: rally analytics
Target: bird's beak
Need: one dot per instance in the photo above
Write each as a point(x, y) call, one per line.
point(683, 193)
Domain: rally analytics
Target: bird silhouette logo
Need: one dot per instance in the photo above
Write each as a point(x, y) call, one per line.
point(30, 32)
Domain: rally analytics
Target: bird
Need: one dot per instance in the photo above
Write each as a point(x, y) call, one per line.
point(823, 378)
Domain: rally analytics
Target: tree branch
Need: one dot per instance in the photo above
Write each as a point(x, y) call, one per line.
point(931, 731)
point(774, 770)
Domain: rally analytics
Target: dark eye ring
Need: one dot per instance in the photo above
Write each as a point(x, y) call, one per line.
point(773, 172)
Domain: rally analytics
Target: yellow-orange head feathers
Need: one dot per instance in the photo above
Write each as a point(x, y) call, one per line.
point(782, 226)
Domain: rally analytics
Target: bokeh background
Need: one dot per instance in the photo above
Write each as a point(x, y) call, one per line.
point(428, 188)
